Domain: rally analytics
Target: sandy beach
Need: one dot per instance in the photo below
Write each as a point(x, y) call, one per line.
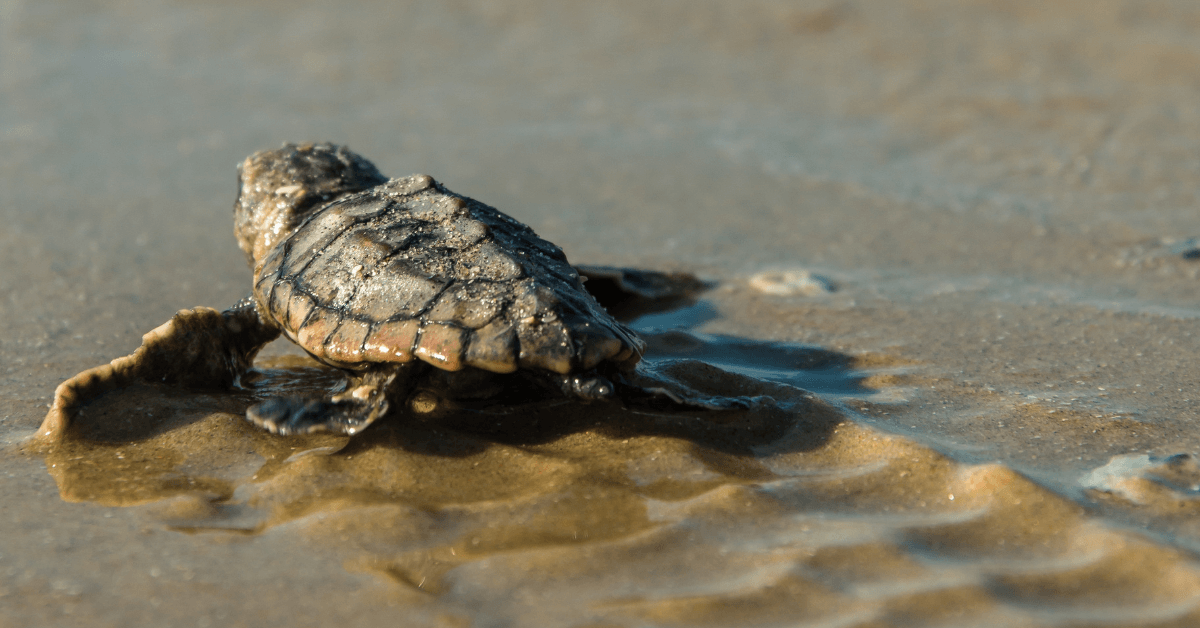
point(954, 243)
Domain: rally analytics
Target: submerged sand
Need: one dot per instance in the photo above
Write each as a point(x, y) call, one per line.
point(950, 240)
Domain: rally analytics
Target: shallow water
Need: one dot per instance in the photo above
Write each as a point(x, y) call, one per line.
point(964, 227)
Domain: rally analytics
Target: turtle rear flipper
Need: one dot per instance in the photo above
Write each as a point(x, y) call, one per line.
point(298, 415)
point(363, 402)
point(674, 398)
point(200, 348)
point(630, 292)
point(681, 385)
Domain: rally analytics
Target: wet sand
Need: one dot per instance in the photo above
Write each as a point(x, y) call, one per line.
point(949, 239)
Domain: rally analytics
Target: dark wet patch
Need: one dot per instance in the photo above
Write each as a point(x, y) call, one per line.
point(477, 478)
point(197, 466)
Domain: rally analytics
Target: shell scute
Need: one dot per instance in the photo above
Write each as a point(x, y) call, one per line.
point(346, 343)
point(493, 347)
point(532, 301)
point(311, 239)
point(403, 186)
point(391, 341)
point(268, 271)
point(300, 306)
point(435, 208)
point(395, 235)
point(430, 261)
point(280, 296)
point(471, 304)
point(442, 346)
point(319, 326)
point(460, 233)
point(360, 207)
point(394, 294)
point(545, 344)
point(594, 343)
point(331, 281)
point(489, 261)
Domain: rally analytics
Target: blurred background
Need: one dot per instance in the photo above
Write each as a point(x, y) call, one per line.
point(999, 197)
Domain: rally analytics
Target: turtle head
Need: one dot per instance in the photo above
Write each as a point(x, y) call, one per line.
point(277, 189)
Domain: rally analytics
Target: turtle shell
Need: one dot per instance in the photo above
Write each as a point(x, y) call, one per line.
point(409, 270)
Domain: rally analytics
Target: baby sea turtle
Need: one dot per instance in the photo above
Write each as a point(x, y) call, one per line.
point(415, 292)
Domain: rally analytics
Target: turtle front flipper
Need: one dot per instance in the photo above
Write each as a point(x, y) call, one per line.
point(200, 348)
point(363, 402)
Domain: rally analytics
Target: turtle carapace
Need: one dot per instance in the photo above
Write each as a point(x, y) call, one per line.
point(402, 284)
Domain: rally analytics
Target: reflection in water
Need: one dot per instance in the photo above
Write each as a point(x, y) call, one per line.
point(829, 374)
point(562, 513)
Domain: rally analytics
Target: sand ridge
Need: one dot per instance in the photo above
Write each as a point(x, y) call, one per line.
point(965, 227)
point(581, 513)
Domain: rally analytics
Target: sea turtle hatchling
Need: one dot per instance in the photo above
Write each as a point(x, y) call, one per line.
point(416, 292)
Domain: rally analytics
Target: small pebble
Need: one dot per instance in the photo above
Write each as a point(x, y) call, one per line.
point(791, 283)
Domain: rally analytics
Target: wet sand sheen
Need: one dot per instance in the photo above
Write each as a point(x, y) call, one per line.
point(562, 513)
point(967, 227)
